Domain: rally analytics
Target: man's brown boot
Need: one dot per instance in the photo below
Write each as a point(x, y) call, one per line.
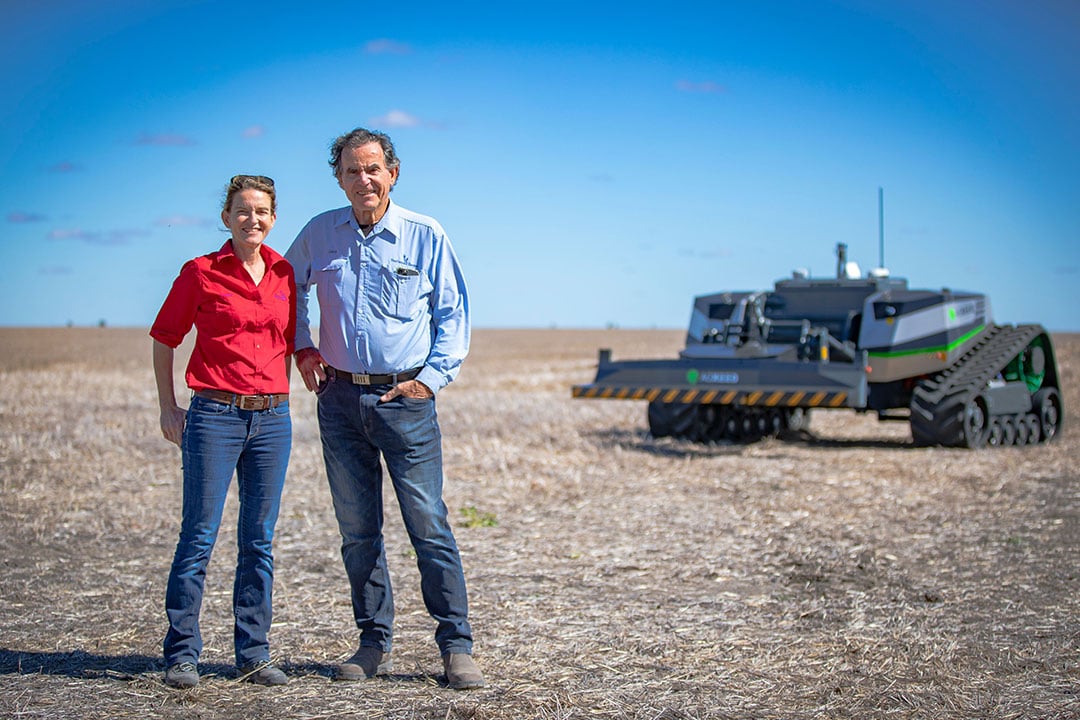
point(461, 672)
point(366, 663)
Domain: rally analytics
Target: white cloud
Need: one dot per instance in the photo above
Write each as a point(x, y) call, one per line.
point(183, 221)
point(113, 237)
point(396, 119)
point(164, 139)
point(25, 217)
point(54, 270)
point(384, 46)
point(707, 87)
point(71, 234)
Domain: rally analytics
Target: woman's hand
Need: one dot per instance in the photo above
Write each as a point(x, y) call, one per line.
point(172, 424)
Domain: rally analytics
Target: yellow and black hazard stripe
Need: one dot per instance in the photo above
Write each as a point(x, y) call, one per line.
point(760, 398)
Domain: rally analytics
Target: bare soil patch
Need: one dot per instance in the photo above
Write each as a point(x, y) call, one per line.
point(611, 575)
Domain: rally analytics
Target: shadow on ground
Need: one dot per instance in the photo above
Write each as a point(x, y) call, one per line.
point(79, 664)
point(642, 441)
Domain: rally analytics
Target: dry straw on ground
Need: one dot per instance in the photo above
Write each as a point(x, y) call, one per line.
point(848, 575)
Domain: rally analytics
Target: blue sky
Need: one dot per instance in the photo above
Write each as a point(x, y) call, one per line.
point(594, 164)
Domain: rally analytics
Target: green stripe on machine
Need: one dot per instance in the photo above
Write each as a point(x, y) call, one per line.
point(930, 348)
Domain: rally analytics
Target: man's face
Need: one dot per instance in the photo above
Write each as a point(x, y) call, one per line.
point(366, 180)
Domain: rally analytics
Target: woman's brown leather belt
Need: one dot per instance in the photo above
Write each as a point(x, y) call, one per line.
point(244, 402)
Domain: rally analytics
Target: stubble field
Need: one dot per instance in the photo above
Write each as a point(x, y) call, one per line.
point(611, 575)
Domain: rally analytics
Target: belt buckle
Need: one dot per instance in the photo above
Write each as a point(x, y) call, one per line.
point(252, 402)
point(361, 379)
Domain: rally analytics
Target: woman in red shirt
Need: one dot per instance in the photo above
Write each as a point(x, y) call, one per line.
point(241, 300)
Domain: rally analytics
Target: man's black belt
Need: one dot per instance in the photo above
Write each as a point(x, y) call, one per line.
point(366, 379)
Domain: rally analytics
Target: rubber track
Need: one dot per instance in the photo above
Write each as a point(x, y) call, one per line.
point(938, 402)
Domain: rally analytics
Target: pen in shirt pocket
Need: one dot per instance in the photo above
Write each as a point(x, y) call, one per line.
point(407, 271)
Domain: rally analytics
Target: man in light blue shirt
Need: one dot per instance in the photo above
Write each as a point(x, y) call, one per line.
point(393, 331)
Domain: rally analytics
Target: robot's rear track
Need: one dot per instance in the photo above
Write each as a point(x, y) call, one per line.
point(939, 403)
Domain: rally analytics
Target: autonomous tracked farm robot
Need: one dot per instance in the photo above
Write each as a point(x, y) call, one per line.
point(756, 363)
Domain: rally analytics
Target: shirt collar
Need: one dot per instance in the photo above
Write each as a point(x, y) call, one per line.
point(390, 221)
point(270, 256)
point(225, 252)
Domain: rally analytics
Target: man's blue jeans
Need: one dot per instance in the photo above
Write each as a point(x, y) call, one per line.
point(356, 429)
point(218, 439)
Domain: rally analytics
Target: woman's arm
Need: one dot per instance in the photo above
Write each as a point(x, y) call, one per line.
point(172, 417)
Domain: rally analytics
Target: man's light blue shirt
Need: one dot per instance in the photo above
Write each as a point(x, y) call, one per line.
point(389, 301)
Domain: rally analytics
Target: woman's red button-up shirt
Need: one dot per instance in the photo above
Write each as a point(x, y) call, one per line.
point(244, 332)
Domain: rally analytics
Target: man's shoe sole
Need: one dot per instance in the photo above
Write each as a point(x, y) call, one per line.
point(466, 685)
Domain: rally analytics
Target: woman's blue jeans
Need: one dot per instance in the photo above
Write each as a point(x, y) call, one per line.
point(357, 429)
point(218, 439)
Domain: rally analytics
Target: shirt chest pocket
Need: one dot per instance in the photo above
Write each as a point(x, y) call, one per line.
point(402, 288)
point(222, 317)
point(329, 271)
point(329, 277)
